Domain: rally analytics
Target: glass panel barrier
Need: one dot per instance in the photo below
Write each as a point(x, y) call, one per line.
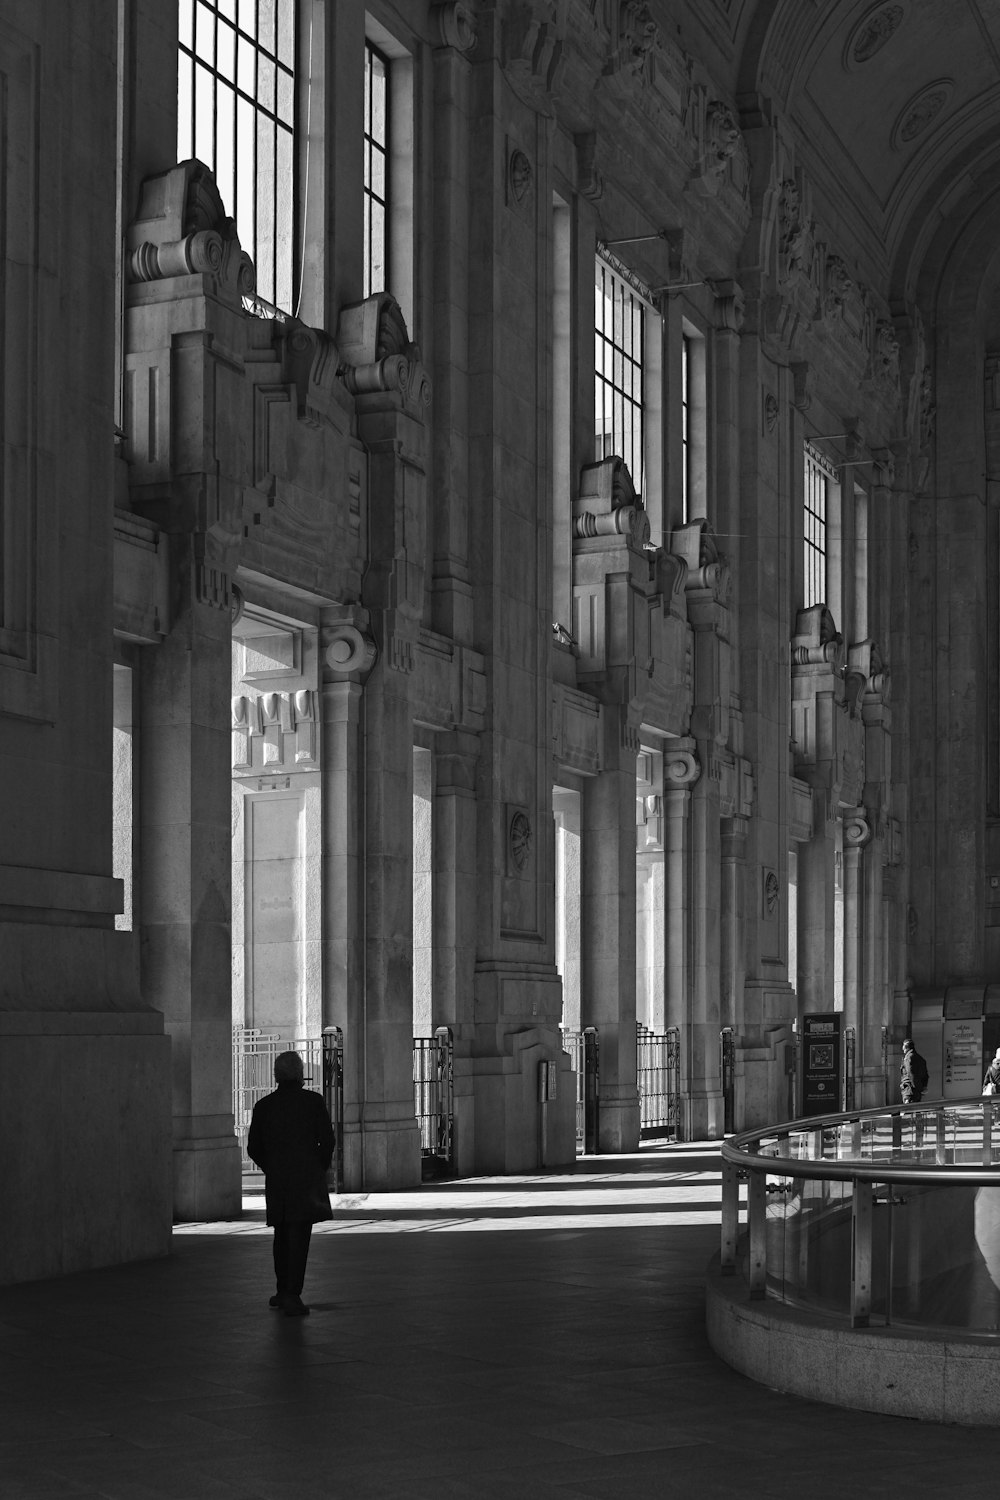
point(934, 1217)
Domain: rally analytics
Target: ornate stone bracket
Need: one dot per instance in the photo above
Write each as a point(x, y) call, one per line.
point(866, 676)
point(608, 504)
point(707, 569)
point(182, 229)
point(377, 356)
point(817, 640)
point(311, 365)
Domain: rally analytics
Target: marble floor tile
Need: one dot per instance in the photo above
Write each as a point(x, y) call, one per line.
point(543, 1338)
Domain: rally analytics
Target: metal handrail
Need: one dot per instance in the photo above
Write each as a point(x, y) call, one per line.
point(737, 1149)
point(742, 1158)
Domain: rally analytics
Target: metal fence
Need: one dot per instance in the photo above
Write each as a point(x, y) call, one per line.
point(727, 1072)
point(658, 1072)
point(434, 1098)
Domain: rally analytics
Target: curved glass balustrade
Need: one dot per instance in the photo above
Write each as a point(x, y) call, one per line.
point(888, 1216)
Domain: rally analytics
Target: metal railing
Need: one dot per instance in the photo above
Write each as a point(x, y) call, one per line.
point(333, 1092)
point(727, 1073)
point(434, 1096)
point(885, 1215)
point(658, 1074)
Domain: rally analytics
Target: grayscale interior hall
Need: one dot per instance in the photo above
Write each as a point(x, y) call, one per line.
point(500, 583)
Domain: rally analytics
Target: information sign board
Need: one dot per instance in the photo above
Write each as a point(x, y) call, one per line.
point(821, 1063)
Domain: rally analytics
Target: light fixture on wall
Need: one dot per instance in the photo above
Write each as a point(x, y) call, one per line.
point(637, 239)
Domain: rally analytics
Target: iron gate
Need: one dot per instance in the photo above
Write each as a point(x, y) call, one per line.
point(584, 1050)
point(333, 1093)
point(434, 1098)
point(727, 1071)
point(254, 1052)
point(658, 1072)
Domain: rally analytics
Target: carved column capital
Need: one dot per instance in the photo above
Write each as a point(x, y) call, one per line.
point(680, 770)
point(456, 26)
point(346, 652)
point(857, 827)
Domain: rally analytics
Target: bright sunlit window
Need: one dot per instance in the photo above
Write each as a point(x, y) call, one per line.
point(376, 168)
point(236, 113)
point(618, 356)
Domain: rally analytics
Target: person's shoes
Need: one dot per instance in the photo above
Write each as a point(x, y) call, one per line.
point(294, 1307)
point(274, 1301)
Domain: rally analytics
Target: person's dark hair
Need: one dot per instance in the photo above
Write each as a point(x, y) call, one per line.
point(288, 1068)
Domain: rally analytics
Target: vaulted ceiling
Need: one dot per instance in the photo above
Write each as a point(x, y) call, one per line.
point(895, 106)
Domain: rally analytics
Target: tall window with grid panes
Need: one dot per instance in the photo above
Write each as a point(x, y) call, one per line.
point(376, 177)
point(236, 113)
point(619, 343)
point(815, 523)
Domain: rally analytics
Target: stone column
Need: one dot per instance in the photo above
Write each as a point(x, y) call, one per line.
point(684, 1004)
point(185, 885)
point(452, 579)
point(873, 1011)
point(392, 394)
point(816, 917)
point(567, 901)
point(852, 932)
point(607, 921)
point(732, 945)
point(346, 653)
point(390, 1145)
point(454, 917)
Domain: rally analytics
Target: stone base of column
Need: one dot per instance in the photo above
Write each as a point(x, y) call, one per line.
point(870, 1088)
point(382, 1150)
point(208, 1174)
point(499, 1103)
point(702, 1115)
point(86, 1097)
point(765, 1078)
point(618, 1121)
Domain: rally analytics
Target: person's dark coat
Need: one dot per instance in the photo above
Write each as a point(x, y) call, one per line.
point(291, 1139)
point(913, 1077)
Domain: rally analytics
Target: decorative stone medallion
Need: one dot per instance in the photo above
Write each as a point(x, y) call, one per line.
point(921, 110)
point(518, 842)
point(872, 32)
point(520, 176)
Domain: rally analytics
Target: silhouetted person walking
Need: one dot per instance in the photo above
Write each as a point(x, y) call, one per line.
point(291, 1139)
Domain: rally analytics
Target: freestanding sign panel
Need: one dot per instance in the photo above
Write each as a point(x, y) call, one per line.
point(821, 1053)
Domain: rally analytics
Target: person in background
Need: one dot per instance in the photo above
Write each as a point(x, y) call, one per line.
point(913, 1074)
point(291, 1139)
point(991, 1083)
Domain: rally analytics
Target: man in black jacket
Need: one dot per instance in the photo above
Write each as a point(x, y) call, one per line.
point(912, 1074)
point(291, 1139)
